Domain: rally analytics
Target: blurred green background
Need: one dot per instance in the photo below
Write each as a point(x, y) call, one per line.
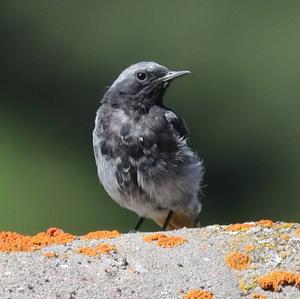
point(241, 104)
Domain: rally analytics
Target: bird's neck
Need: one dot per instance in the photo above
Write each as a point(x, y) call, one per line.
point(132, 104)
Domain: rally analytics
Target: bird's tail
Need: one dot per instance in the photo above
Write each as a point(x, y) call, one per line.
point(179, 220)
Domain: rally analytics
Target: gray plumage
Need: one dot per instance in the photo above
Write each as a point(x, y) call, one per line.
point(141, 148)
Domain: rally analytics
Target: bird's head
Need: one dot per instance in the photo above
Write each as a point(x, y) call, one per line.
point(141, 86)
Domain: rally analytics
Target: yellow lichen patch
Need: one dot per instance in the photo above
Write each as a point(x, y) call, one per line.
point(199, 294)
point(10, 241)
point(286, 225)
point(298, 231)
point(285, 237)
point(165, 241)
point(50, 254)
point(243, 286)
point(283, 254)
point(247, 286)
point(154, 237)
point(249, 247)
point(238, 227)
point(101, 234)
point(266, 223)
point(269, 245)
point(258, 296)
point(97, 250)
point(238, 260)
point(275, 280)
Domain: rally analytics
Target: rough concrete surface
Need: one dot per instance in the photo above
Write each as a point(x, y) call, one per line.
point(144, 270)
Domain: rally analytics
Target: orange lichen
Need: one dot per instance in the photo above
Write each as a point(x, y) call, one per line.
point(199, 294)
point(10, 241)
point(298, 231)
point(163, 240)
point(97, 250)
point(238, 260)
point(51, 237)
point(101, 234)
point(238, 227)
point(171, 241)
point(259, 296)
point(249, 247)
point(154, 237)
point(275, 280)
point(50, 254)
point(266, 223)
point(245, 226)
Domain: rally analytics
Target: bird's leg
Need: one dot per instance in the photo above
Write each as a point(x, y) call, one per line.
point(170, 214)
point(138, 225)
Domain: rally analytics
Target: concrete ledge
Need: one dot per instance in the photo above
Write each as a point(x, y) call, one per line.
point(226, 261)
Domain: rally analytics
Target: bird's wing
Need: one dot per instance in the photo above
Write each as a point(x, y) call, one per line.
point(177, 123)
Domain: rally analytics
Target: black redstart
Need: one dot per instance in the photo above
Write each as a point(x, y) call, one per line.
point(141, 149)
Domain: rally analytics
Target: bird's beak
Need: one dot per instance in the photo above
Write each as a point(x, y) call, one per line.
point(173, 74)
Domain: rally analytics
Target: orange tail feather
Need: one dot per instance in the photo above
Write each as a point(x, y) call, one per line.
point(178, 220)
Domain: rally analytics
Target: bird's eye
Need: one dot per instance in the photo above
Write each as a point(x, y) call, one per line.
point(141, 76)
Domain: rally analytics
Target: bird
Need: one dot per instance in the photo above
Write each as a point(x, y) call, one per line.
point(142, 152)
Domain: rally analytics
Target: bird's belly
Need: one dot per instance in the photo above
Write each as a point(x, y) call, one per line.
point(125, 197)
point(152, 189)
